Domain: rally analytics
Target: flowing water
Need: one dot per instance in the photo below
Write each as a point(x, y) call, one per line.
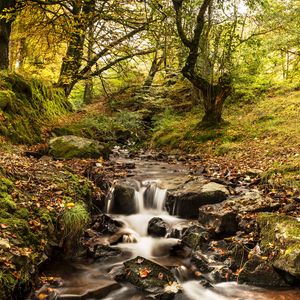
point(151, 182)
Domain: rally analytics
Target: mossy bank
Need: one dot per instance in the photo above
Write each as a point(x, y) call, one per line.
point(43, 206)
point(26, 105)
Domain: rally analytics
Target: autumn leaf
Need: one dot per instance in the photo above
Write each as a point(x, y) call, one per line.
point(144, 272)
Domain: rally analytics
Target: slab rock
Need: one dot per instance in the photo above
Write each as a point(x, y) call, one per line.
point(283, 233)
point(71, 146)
point(185, 202)
point(222, 217)
point(149, 276)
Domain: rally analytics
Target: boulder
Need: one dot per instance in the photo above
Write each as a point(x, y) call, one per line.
point(185, 201)
point(70, 146)
point(218, 221)
point(123, 200)
point(157, 227)
point(281, 233)
point(149, 276)
point(260, 273)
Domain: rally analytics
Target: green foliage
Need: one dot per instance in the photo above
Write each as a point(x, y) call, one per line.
point(27, 105)
point(118, 128)
point(74, 220)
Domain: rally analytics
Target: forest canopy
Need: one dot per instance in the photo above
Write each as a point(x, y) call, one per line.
point(224, 48)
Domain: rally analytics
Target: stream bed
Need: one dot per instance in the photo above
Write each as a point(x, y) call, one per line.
point(94, 279)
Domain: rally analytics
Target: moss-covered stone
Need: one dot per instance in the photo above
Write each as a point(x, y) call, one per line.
point(70, 146)
point(147, 275)
point(281, 234)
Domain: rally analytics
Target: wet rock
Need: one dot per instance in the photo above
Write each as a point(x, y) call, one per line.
point(186, 200)
point(178, 229)
point(205, 283)
point(70, 146)
point(201, 262)
point(281, 233)
point(222, 274)
point(82, 293)
point(260, 273)
point(194, 237)
point(218, 221)
point(157, 227)
point(123, 201)
point(104, 224)
point(149, 276)
point(103, 251)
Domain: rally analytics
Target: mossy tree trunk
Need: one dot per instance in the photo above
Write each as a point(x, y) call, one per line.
point(82, 15)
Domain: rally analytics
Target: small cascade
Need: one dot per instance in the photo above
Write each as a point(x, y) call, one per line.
point(109, 198)
point(148, 198)
point(139, 199)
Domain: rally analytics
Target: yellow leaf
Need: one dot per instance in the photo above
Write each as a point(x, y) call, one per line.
point(70, 205)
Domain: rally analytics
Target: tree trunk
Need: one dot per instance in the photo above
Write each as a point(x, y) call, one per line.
point(72, 61)
point(213, 109)
point(5, 31)
point(88, 91)
point(153, 70)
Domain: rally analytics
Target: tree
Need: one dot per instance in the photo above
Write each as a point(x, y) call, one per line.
point(214, 94)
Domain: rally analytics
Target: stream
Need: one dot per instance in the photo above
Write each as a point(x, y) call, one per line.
point(86, 279)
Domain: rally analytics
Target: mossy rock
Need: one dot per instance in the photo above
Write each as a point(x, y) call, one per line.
point(282, 233)
point(147, 275)
point(71, 146)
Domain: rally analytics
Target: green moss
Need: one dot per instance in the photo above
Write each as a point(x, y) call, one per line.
point(6, 185)
point(7, 203)
point(28, 105)
point(285, 225)
point(22, 213)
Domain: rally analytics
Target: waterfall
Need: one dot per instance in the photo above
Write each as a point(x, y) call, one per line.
point(148, 197)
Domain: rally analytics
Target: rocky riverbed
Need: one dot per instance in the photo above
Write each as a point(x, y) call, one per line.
point(169, 230)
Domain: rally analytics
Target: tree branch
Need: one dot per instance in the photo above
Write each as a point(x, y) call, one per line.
point(100, 54)
point(116, 61)
point(177, 4)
